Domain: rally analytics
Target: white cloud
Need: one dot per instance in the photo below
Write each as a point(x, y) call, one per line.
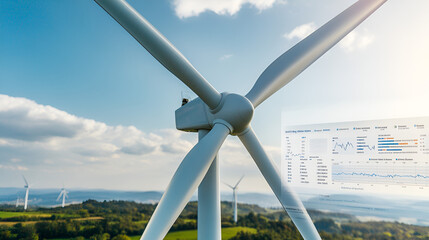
point(139, 148)
point(15, 160)
point(301, 31)
point(25, 123)
point(226, 56)
point(21, 168)
point(95, 155)
point(14, 167)
point(191, 8)
point(3, 142)
point(177, 147)
point(356, 41)
point(23, 119)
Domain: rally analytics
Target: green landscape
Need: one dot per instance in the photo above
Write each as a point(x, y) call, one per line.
point(121, 220)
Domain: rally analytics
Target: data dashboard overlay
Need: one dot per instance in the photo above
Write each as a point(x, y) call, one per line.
point(389, 155)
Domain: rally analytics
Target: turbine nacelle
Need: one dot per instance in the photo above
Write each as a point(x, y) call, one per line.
point(234, 111)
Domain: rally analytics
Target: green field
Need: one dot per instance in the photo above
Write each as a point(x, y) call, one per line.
point(90, 219)
point(227, 233)
point(18, 214)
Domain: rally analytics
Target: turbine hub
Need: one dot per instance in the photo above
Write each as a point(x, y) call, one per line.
point(234, 109)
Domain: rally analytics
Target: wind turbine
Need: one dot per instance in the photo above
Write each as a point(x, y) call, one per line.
point(234, 197)
point(215, 115)
point(17, 202)
point(27, 189)
point(63, 194)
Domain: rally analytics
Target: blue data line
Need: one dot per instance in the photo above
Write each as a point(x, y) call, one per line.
point(380, 175)
point(343, 146)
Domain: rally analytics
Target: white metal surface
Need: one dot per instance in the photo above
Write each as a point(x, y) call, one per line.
point(234, 109)
point(234, 198)
point(209, 216)
point(234, 193)
point(63, 194)
point(27, 190)
point(184, 182)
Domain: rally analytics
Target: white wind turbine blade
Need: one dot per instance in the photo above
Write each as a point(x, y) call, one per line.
point(302, 55)
point(59, 196)
point(286, 195)
point(239, 181)
point(64, 197)
point(228, 185)
point(157, 45)
point(26, 182)
point(184, 182)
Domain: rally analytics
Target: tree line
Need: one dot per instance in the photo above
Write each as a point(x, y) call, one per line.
point(116, 220)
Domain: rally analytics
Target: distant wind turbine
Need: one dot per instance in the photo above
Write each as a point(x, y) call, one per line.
point(63, 193)
point(27, 189)
point(17, 201)
point(234, 196)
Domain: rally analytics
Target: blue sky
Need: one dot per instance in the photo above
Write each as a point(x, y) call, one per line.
point(110, 120)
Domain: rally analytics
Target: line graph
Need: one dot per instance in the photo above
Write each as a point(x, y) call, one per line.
point(349, 146)
point(343, 146)
point(381, 174)
point(291, 154)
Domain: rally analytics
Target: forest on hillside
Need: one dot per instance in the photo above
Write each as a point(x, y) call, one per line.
point(118, 220)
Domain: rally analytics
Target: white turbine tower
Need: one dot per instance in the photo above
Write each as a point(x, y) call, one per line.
point(234, 197)
point(215, 115)
point(64, 195)
point(27, 190)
